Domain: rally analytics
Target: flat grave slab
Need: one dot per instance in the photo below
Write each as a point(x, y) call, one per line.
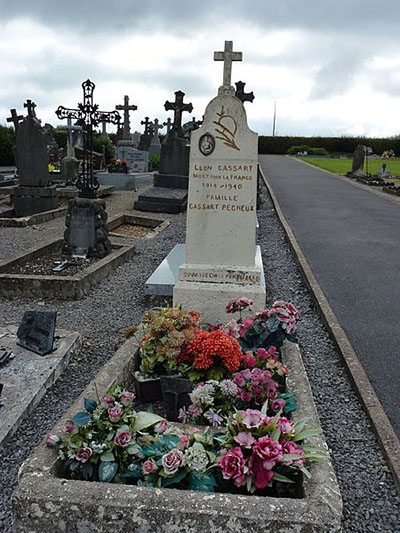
point(125, 182)
point(28, 375)
point(43, 500)
point(162, 200)
point(163, 279)
point(130, 226)
point(65, 285)
point(8, 220)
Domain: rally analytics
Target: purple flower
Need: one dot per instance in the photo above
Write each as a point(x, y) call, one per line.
point(246, 440)
point(122, 439)
point(286, 427)
point(252, 418)
point(115, 413)
point(107, 401)
point(266, 453)
point(291, 448)
point(127, 398)
point(277, 405)
point(52, 440)
point(70, 427)
point(183, 415)
point(232, 463)
point(83, 455)
point(213, 417)
point(161, 427)
point(195, 410)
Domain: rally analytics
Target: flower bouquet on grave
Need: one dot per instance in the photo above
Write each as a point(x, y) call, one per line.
point(166, 333)
point(266, 328)
point(118, 166)
point(260, 454)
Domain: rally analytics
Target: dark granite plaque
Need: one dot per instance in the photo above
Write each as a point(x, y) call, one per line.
point(36, 331)
point(82, 230)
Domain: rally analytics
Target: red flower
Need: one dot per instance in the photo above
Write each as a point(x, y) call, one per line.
point(206, 346)
point(123, 162)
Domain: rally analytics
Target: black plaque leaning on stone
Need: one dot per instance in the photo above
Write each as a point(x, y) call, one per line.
point(36, 331)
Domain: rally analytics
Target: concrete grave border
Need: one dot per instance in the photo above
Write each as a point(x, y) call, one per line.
point(158, 224)
point(44, 502)
point(30, 220)
point(59, 287)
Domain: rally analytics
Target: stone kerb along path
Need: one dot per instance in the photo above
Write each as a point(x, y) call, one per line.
point(220, 259)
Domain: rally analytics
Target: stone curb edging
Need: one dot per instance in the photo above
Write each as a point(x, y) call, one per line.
point(388, 440)
point(44, 501)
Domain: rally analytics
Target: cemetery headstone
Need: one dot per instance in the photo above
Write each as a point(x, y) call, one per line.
point(36, 331)
point(168, 124)
point(104, 133)
point(136, 139)
point(125, 150)
point(384, 173)
point(190, 126)
point(155, 145)
point(126, 108)
point(221, 259)
point(147, 135)
point(86, 232)
point(169, 194)
point(358, 161)
point(33, 194)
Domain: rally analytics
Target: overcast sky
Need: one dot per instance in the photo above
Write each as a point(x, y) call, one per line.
point(332, 66)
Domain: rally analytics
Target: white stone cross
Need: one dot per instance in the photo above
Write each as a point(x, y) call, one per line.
point(227, 56)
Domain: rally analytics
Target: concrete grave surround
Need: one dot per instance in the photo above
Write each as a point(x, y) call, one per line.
point(44, 502)
point(125, 182)
point(27, 377)
point(221, 216)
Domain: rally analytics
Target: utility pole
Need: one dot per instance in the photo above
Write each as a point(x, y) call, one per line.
point(274, 121)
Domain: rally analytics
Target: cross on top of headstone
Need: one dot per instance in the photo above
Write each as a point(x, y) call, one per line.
point(15, 118)
point(178, 107)
point(227, 56)
point(31, 108)
point(168, 123)
point(148, 125)
point(157, 126)
point(126, 108)
point(239, 93)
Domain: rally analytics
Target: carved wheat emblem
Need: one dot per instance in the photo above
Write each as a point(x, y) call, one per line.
point(228, 129)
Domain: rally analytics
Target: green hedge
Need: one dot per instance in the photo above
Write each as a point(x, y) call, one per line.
point(7, 140)
point(280, 145)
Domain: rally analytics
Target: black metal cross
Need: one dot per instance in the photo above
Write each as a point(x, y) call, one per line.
point(178, 107)
point(88, 115)
point(168, 123)
point(148, 126)
point(126, 108)
point(15, 118)
point(31, 108)
point(239, 93)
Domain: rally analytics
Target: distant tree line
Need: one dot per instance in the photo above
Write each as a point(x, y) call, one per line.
point(333, 145)
point(7, 141)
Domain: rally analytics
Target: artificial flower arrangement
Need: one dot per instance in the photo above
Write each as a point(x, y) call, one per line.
point(111, 442)
point(118, 165)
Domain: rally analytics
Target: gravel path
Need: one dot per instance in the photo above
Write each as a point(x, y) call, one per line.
point(370, 499)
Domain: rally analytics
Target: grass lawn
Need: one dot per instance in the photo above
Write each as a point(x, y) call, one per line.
point(341, 166)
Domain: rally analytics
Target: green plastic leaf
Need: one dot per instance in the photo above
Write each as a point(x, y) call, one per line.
point(280, 477)
point(167, 481)
point(306, 472)
point(107, 471)
point(197, 481)
point(134, 471)
point(134, 448)
point(306, 433)
point(273, 323)
point(90, 405)
point(264, 408)
point(144, 419)
point(81, 418)
point(290, 402)
point(108, 456)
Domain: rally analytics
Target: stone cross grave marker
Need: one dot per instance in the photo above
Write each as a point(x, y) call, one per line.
point(126, 108)
point(227, 56)
point(178, 107)
point(155, 145)
point(239, 93)
point(168, 124)
point(15, 118)
point(30, 106)
point(70, 140)
point(221, 259)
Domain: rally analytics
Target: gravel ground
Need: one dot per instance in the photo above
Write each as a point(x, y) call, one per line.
point(369, 494)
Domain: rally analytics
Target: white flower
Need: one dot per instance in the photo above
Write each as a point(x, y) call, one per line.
point(228, 388)
point(196, 457)
point(71, 454)
point(203, 394)
point(118, 404)
point(61, 454)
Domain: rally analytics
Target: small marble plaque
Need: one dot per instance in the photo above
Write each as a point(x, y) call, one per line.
point(36, 331)
point(82, 234)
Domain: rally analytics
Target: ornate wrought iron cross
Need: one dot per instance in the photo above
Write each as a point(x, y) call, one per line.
point(88, 115)
point(178, 107)
point(239, 93)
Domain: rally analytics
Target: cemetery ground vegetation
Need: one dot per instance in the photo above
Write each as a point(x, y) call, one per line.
point(370, 499)
point(342, 166)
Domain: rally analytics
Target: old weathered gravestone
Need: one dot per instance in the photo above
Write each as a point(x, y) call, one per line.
point(221, 262)
point(147, 135)
point(155, 145)
point(169, 194)
point(36, 331)
point(33, 195)
point(358, 161)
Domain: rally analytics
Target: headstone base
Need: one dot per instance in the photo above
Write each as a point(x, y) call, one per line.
point(162, 200)
point(171, 181)
point(31, 200)
point(125, 182)
point(210, 299)
point(86, 231)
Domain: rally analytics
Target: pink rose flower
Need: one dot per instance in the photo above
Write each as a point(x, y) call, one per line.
point(232, 463)
point(252, 418)
point(70, 427)
point(107, 401)
point(127, 398)
point(171, 461)
point(262, 353)
point(195, 410)
point(239, 379)
point(161, 427)
point(256, 389)
point(83, 455)
point(291, 448)
point(249, 360)
point(245, 396)
point(183, 441)
point(266, 453)
point(122, 439)
point(246, 440)
point(277, 405)
point(115, 413)
point(52, 440)
point(149, 467)
point(286, 427)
